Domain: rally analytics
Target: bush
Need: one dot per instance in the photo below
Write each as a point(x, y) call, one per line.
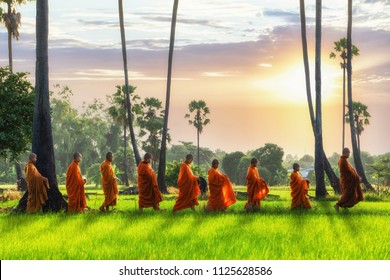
point(173, 169)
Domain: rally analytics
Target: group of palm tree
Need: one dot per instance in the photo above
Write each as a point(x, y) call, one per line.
point(42, 143)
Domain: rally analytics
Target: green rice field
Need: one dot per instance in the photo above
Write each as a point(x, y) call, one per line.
point(273, 233)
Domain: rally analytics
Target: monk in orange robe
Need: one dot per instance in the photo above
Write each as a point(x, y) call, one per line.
point(75, 186)
point(299, 189)
point(36, 186)
point(257, 188)
point(110, 188)
point(350, 183)
point(149, 194)
point(188, 187)
point(221, 190)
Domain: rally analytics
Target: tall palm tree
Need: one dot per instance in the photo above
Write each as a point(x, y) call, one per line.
point(340, 47)
point(11, 20)
point(127, 88)
point(199, 119)
point(162, 162)
point(319, 154)
point(356, 153)
point(334, 180)
point(42, 138)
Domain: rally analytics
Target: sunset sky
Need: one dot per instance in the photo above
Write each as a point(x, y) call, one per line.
point(243, 57)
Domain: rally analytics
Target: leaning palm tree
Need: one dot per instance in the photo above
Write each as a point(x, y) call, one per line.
point(356, 153)
point(162, 160)
point(340, 47)
point(42, 138)
point(127, 88)
point(11, 20)
point(333, 179)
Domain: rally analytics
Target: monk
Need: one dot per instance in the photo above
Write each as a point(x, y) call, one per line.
point(110, 188)
point(257, 188)
point(36, 186)
point(148, 192)
point(75, 186)
point(221, 190)
point(299, 189)
point(351, 192)
point(188, 187)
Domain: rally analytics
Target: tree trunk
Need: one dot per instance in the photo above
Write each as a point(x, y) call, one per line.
point(22, 184)
point(319, 154)
point(198, 147)
point(334, 180)
point(125, 175)
point(10, 62)
point(162, 160)
point(42, 140)
point(356, 153)
point(343, 142)
point(127, 90)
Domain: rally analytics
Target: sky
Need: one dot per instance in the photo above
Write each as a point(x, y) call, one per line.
point(243, 57)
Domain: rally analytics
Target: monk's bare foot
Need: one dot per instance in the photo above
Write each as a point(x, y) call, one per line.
point(107, 208)
point(102, 208)
point(193, 208)
point(336, 207)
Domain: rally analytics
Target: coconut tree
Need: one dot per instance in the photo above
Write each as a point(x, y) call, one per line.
point(199, 119)
point(11, 20)
point(355, 148)
point(127, 87)
point(334, 180)
point(162, 163)
point(340, 47)
point(42, 138)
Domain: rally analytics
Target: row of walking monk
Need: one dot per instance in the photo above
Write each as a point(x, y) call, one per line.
point(221, 190)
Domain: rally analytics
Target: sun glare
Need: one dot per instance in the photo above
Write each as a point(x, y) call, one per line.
point(289, 85)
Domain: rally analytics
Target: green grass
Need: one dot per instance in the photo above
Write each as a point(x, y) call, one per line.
point(274, 233)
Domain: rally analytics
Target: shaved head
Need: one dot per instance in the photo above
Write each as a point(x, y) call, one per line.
point(147, 156)
point(77, 155)
point(31, 156)
point(296, 166)
point(346, 152)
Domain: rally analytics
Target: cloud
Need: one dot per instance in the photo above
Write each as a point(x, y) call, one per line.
point(189, 21)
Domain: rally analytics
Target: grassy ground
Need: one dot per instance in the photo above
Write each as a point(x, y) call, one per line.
point(275, 232)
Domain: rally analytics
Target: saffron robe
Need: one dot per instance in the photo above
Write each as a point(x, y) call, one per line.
point(75, 188)
point(221, 191)
point(188, 189)
point(37, 195)
point(148, 192)
point(257, 188)
point(299, 189)
point(110, 187)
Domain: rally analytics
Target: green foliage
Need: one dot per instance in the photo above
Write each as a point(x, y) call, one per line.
point(361, 116)
point(230, 163)
point(381, 169)
point(305, 161)
point(16, 113)
point(340, 47)
point(271, 157)
point(179, 152)
point(199, 120)
point(173, 170)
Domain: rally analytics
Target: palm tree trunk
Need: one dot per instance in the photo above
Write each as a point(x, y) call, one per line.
point(42, 138)
point(10, 62)
point(343, 123)
point(127, 90)
point(319, 154)
point(198, 147)
point(125, 175)
point(162, 160)
point(334, 180)
point(356, 153)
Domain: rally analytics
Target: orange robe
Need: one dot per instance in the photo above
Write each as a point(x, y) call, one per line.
point(110, 188)
point(37, 195)
point(75, 188)
point(148, 191)
point(257, 188)
point(188, 189)
point(221, 191)
point(350, 185)
point(299, 189)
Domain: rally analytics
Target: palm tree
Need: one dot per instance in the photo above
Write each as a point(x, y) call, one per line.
point(42, 138)
point(127, 89)
point(162, 163)
point(333, 179)
point(360, 117)
point(11, 20)
point(319, 154)
point(341, 47)
point(356, 153)
point(199, 119)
